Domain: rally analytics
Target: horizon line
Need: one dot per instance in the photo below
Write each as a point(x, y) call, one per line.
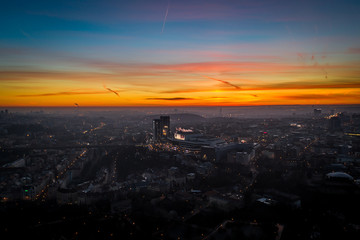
point(181, 106)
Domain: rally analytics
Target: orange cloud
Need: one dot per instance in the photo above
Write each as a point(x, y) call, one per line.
point(317, 96)
point(277, 86)
point(231, 83)
point(59, 94)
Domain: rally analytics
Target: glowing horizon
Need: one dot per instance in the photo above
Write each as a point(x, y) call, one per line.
point(179, 53)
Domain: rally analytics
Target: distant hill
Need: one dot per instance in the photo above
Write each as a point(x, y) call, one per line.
point(179, 117)
point(186, 117)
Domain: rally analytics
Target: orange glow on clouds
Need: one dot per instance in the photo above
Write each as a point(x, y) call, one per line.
point(226, 83)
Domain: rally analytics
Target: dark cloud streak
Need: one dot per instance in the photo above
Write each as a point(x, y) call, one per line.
point(59, 94)
point(171, 99)
point(113, 91)
point(225, 82)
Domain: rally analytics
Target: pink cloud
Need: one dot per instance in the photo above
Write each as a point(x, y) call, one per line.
point(353, 51)
point(212, 54)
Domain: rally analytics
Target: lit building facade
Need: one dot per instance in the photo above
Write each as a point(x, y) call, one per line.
point(161, 128)
point(165, 127)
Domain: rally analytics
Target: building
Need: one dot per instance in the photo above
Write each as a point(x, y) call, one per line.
point(339, 177)
point(192, 141)
point(161, 128)
point(317, 112)
point(156, 130)
point(232, 152)
point(242, 158)
point(165, 126)
point(334, 123)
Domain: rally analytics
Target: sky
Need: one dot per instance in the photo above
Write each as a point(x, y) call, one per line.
point(179, 52)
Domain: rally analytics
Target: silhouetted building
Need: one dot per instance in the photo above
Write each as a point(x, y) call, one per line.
point(156, 130)
point(355, 141)
point(161, 128)
point(317, 112)
point(355, 119)
point(334, 124)
point(230, 152)
point(338, 178)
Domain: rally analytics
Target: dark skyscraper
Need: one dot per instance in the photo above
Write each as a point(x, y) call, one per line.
point(161, 128)
point(165, 126)
point(156, 130)
point(335, 124)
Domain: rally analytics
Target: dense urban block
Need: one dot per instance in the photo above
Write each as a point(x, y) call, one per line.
point(120, 174)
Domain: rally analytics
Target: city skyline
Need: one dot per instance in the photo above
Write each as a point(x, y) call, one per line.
point(179, 53)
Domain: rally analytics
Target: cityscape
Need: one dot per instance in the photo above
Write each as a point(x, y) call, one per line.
point(82, 173)
point(180, 119)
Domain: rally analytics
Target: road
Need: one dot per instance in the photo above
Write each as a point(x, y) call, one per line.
point(43, 193)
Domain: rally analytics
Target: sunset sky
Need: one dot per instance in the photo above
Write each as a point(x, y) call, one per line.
point(179, 52)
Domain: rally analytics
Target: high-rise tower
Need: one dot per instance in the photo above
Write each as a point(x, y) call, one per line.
point(161, 128)
point(156, 130)
point(165, 126)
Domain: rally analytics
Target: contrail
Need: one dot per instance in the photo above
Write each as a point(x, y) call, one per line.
point(113, 91)
point(219, 80)
point(110, 90)
point(26, 34)
point(166, 14)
